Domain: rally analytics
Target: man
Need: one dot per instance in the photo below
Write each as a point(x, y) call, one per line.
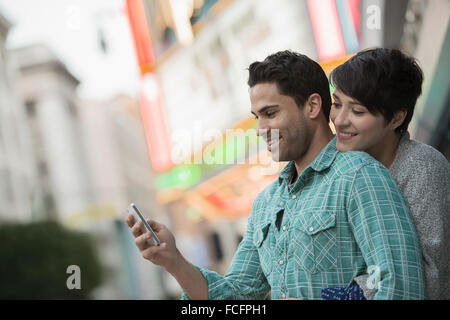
point(328, 218)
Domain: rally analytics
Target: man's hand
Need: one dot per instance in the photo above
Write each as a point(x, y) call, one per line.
point(166, 254)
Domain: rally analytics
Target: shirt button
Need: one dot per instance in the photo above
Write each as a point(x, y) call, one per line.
point(294, 196)
point(281, 262)
point(284, 228)
point(281, 203)
point(311, 229)
point(283, 295)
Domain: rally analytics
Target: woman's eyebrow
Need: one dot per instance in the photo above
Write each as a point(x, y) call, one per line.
point(350, 102)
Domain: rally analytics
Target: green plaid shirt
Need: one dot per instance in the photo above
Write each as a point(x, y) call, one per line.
point(344, 216)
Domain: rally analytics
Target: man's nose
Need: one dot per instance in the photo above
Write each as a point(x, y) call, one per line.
point(262, 129)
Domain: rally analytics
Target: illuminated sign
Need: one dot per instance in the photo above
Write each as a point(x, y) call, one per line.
point(225, 152)
point(349, 17)
point(327, 29)
point(154, 120)
point(171, 21)
point(153, 115)
point(141, 35)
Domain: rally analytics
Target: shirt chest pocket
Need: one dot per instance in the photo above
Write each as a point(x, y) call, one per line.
point(261, 239)
point(314, 241)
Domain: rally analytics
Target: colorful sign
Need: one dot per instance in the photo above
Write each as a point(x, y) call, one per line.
point(152, 109)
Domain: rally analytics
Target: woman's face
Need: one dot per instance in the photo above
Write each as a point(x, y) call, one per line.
point(357, 128)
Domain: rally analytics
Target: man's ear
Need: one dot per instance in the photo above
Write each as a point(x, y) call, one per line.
point(398, 119)
point(313, 106)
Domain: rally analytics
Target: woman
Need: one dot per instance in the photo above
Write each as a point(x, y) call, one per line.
point(374, 98)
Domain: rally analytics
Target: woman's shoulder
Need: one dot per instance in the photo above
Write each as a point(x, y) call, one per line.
point(418, 158)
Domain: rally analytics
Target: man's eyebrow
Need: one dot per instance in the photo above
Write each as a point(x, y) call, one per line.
point(265, 108)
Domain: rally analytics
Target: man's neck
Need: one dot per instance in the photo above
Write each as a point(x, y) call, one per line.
point(321, 138)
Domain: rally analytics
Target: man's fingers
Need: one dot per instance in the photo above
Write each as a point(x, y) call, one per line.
point(141, 241)
point(156, 226)
point(130, 220)
point(137, 229)
point(142, 236)
point(152, 252)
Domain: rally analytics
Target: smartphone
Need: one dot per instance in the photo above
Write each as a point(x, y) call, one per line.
point(154, 240)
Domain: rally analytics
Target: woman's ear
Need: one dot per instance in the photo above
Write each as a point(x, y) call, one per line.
point(313, 106)
point(398, 119)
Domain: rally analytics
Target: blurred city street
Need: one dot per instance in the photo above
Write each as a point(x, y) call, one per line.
point(104, 103)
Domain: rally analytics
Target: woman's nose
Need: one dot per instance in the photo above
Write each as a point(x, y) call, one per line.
point(341, 119)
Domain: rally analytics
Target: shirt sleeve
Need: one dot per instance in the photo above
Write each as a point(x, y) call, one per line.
point(244, 280)
point(385, 232)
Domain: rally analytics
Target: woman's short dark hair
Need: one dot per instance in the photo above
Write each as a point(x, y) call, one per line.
point(295, 75)
point(385, 81)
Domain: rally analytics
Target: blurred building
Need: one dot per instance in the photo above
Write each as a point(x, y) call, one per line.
point(48, 91)
point(90, 160)
point(427, 37)
point(16, 159)
point(121, 173)
point(77, 162)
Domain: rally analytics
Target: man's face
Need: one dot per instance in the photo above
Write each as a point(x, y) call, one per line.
point(281, 122)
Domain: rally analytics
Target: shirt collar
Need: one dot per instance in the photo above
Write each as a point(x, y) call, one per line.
point(287, 172)
point(323, 161)
point(326, 156)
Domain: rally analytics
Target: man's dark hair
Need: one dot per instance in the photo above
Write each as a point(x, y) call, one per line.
point(385, 81)
point(295, 75)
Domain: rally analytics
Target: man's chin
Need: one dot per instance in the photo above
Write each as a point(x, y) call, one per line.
point(277, 157)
